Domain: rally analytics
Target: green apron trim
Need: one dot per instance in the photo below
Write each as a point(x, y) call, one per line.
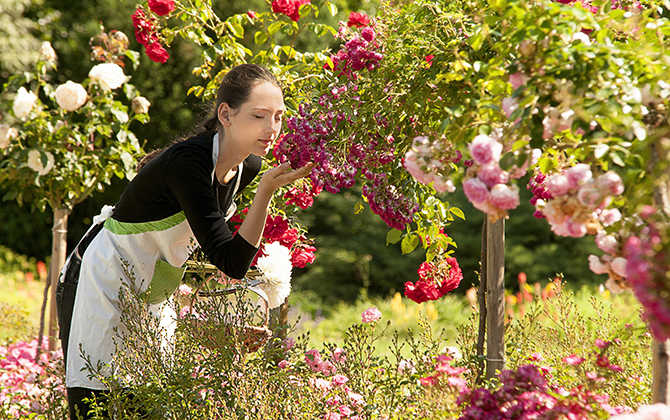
point(124, 228)
point(165, 281)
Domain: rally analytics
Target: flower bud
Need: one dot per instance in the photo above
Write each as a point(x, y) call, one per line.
point(140, 105)
point(48, 52)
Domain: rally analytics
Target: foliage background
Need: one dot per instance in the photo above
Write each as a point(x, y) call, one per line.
point(352, 258)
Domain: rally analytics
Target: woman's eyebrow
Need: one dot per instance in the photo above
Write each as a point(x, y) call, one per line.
point(262, 108)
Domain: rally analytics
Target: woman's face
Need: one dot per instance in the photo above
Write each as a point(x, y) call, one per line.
point(254, 126)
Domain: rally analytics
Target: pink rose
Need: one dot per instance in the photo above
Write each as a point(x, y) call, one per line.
point(578, 175)
point(618, 265)
point(589, 196)
point(485, 150)
point(492, 175)
point(575, 229)
point(517, 79)
point(553, 213)
point(573, 360)
point(475, 190)
point(607, 243)
point(340, 380)
point(557, 185)
point(597, 266)
point(504, 197)
point(509, 105)
point(610, 183)
point(282, 365)
point(371, 314)
point(608, 217)
point(184, 290)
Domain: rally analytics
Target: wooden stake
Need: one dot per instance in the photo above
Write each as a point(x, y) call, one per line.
point(481, 301)
point(495, 298)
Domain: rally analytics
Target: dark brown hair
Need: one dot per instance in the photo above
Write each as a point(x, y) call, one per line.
point(234, 90)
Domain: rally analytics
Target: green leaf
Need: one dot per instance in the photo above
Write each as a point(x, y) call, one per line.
point(260, 37)
point(272, 29)
point(236, 29)
point(409, 243)
point(457, 212)
point(331, 8)
point(358, 207)
point(393, 236)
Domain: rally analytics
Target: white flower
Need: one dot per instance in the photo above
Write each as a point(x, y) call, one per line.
point(23, 103)
point(140, 105)
point(108, 75)
point(71, 96)
point(47, 51)
point(276, 268)
point(35, 162)
point(7, 133)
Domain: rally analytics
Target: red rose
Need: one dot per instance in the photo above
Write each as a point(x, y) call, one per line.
point(358, 20)
point(283, 6)
point(144, 27)
point(157, 53)
point(161, 7)
point(303, 256)
point(429, 59)
point(295, 15)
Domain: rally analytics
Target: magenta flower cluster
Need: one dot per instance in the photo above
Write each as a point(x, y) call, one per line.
point(358, 53)
point(25, 382)
point(525, 394)
point(537, 185)
point(648, 262)
point(337, 162)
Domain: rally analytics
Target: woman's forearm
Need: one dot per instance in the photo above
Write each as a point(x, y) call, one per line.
point(254, 222)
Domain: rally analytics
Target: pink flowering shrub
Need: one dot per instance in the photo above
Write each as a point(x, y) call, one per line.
point(30, 387)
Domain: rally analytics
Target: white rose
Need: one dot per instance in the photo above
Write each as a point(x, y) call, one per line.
point(7, 133)
point(71, 96)
point(23, 103)
point(140, 105)
point(108, 75)
point(35, 162)
point(48, 52)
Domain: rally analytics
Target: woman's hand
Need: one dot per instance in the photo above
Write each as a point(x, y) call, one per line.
point(282, 175)
point(252, 227)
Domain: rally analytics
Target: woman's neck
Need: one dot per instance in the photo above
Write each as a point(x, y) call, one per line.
point(228, 160)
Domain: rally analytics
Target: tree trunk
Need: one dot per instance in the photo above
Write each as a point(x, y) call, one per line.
point(495, 294)
point(58, 255)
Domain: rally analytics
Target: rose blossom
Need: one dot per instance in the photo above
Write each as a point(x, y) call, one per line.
point(108, 75)
point(573, 360)
point(504, 197)
point(7, 134)
point(517, 79)
point(47, 51)
point(597, 266)
point(589, 196)
point(485, 150)
point(610, 183)
point(339, 380)
point(608, 217)
point(475, 190)
point(71, 96)
point(607, 243)
point(140, 105)
point(157, 53)
point(184, 290)
point(618, 265)
point(35, 162)
point(358, 20)
point(557, 185)
point(578, 175)
point(161, 7)
point(370, 315)
point(23, 103)
point(285, 7)
point(509, 105)
point(492, 175)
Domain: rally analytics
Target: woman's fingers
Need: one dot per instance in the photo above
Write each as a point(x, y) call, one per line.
point(283, 175)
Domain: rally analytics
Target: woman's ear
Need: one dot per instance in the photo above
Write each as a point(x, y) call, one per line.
point(224, 114)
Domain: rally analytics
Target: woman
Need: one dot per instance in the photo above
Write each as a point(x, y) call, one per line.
point(183, 193)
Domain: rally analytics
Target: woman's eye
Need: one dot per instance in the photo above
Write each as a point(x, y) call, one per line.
point(259, 116)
